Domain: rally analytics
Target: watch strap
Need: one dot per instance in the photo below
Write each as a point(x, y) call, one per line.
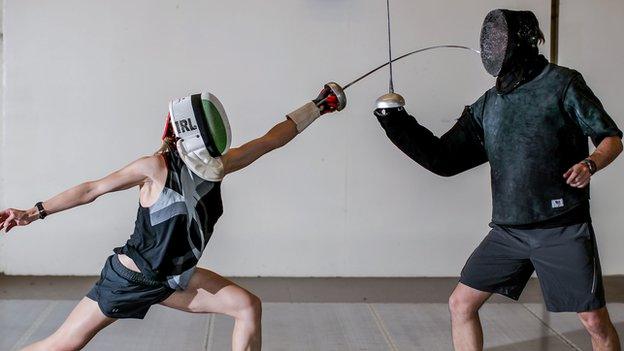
point(42, 211)
point(591, 165)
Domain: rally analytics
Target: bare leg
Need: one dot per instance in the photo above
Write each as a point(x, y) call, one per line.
point(81, 325)
point(464, 304)
point(209, 292)
point(603, 334)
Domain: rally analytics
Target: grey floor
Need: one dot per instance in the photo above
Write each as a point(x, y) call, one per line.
point(305, 314)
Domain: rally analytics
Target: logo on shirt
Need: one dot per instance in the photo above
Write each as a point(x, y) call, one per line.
point(556, 203)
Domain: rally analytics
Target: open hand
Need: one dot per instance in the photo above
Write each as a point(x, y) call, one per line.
point(13, 217)
point(578, 176)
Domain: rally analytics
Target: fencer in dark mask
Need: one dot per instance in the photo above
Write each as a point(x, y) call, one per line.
point(509, 47)
point(532, 128)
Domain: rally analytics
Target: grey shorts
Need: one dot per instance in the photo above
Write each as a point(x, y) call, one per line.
point(565, 259)
point(123, 293)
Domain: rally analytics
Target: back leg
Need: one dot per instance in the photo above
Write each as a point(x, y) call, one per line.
point(79, 328)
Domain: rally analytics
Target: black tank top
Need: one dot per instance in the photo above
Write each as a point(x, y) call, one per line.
point(170, 236)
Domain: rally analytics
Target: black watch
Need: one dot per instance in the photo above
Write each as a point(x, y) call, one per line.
point(42, 211)
point(591, 165)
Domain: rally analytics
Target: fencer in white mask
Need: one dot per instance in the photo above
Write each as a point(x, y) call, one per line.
point(179, 204)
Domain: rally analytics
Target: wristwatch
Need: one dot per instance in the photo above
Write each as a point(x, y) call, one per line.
point(591, 165)
point(42, 211)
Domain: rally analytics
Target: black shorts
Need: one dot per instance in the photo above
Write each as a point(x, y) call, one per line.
point(123, 293)
point(565, 259)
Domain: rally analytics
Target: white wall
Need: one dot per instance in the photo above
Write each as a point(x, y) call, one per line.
point(87, 84)
point(2, 138)
point(591, 42)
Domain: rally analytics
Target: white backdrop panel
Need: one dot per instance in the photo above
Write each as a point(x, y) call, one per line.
point(590, 41)
point(87, 84)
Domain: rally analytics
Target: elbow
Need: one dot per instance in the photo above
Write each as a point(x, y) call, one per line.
point(89, 192)
point(442, 168)
point(273, 143)
point(436, 165)
point(445, 172)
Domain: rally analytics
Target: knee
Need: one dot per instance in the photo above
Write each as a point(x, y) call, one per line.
point(249, 307)
point(462, 307)
point(596, 323)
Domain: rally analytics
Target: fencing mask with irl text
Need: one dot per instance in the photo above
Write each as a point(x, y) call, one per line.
point(201, 125)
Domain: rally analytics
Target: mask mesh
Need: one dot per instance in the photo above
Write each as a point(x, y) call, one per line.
point(494, 42)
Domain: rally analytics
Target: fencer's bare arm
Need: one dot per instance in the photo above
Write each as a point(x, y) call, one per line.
point(296, 121)
point(241, 157)
point(606, 152)
point(136, 173)
point(281, 133)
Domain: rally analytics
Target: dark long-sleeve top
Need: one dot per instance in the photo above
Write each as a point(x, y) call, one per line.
point(530, 136)
point(459, 149)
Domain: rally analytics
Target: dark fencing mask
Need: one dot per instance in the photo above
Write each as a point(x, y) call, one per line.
point(507, 37)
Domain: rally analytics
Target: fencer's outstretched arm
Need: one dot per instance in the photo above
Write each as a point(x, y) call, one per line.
point(283, 132)
point(458, 150)
point(241, 157)
point(136, 173)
